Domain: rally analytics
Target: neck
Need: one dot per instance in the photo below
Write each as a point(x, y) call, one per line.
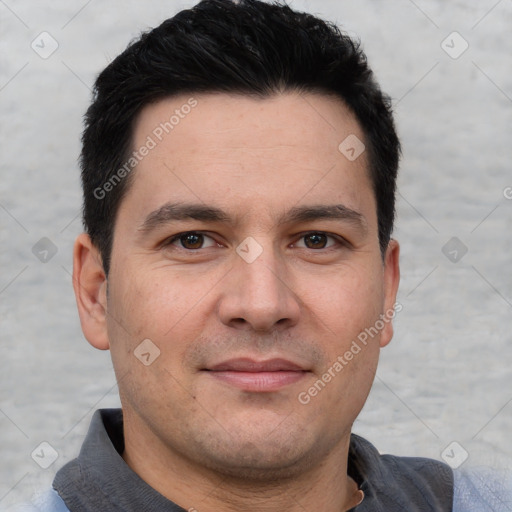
point(324, 485)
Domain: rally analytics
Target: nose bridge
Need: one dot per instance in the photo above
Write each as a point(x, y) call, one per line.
point(261, 280)
point(258, 294)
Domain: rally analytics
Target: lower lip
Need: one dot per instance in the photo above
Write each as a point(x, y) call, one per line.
point(259, 381)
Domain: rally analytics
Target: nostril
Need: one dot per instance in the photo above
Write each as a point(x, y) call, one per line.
point(238, 322)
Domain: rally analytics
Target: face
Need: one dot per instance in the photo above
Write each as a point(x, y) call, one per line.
point(246, 250)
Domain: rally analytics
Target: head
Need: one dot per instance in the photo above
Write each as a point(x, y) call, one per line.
point(226, 220)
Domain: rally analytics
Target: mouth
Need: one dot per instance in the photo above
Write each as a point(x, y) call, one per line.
point(257, 376)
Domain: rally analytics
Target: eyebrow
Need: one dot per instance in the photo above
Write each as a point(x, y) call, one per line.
point(322, 212)
point(171, 212)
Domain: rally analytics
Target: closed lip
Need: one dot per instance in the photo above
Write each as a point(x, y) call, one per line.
point(249, 365)
point(254, 376)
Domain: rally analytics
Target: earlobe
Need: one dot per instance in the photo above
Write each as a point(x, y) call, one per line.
point(391, 282)
point(90, 285)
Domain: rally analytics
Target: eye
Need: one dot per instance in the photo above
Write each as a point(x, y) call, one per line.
point(317, 240)
point(192, 240)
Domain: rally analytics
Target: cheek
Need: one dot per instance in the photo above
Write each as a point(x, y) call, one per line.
point(151, 303)
point(356, 346)
point(146, 322)
point(347, 301)
point(156, 304)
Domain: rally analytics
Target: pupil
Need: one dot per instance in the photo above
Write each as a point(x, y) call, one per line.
point(192, 241)
point(315, 240)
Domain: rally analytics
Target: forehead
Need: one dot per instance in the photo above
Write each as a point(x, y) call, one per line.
point(217, 120)
point(249, 154)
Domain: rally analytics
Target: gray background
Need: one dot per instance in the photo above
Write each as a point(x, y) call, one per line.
point(445, 377)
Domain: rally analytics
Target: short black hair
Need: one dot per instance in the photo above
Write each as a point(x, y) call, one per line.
point(244, 47)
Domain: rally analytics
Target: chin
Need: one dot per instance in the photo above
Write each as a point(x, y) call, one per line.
point(274, 452)
point(262, 463)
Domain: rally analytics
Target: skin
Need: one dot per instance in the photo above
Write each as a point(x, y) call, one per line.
point(198, 440)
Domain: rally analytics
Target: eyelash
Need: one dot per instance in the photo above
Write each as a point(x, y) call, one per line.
point(339, 240)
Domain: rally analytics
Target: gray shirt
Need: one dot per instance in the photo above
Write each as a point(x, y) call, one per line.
point(99, 479)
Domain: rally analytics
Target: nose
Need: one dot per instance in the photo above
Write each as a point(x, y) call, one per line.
point(259, 295)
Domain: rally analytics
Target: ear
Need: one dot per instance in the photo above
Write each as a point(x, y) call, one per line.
point(391, 281)
point(90, 285)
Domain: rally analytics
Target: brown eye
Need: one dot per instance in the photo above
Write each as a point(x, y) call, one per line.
point(315, 240)
point(192, 240)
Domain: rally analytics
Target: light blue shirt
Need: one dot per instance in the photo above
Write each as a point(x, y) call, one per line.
point(48, 501)
point(482, 490)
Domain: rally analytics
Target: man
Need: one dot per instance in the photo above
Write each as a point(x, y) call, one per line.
point(239, 166)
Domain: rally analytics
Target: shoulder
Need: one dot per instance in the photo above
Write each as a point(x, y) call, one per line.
point(48, 501)
point(392, 466)
point(482, 489)
point(400, 483)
